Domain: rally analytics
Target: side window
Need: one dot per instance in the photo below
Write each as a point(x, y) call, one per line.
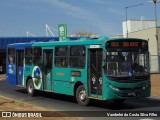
point(28, 56)
point(37, 59)
point(11, 56)
point(61, 56)
point(77, 56)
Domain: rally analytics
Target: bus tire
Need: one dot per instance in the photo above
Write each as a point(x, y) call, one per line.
point(81, 96)
point(30, 87)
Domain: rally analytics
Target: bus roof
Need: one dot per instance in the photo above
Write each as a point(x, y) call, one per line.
point(69, 42)
point(19, 42)
point(5, 41)
point(81, 41)
point(20, 46)
point(126, 39)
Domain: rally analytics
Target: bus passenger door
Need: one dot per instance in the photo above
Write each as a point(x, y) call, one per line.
point(19, 66)
point(47, 68)
point(95, 73)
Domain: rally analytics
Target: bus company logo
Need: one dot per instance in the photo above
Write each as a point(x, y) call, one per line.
point(11, 69)
point(61, 29)
point(6, 114)
point(37, 77)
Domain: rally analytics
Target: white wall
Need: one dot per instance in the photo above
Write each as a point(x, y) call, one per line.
point(136, 25)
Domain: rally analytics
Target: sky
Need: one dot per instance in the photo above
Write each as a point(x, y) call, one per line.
point(103, 17)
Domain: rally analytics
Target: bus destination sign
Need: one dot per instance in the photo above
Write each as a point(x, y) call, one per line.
point(125, 44)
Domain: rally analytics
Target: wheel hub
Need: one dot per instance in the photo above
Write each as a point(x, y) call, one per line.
point(82, 95)
point(30, 88)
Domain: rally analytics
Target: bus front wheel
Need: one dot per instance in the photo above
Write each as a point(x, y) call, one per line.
point(81, 96)
point(30, 87)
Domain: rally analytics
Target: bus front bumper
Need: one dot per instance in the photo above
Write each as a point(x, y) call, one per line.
point(126, 93)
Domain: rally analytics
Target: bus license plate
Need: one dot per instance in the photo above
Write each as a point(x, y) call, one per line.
point(131, 94)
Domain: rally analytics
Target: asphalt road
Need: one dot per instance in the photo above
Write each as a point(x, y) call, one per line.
point(65, 103)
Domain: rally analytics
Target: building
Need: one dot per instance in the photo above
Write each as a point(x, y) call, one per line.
point(136, 25)
point(145, 29)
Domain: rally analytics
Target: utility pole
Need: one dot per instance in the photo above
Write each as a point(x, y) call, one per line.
point(156, 29)
point(127, 15)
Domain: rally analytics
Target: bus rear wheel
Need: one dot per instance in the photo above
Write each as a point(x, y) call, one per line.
point(30, 87)
point(81, 96)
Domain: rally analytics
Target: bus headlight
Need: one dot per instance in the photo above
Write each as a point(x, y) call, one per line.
point(113, 88)
point(144, 88)
point(116, 89)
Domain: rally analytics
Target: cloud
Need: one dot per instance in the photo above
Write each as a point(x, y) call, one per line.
point(117, 12)
point(71, 9)
point(84, 14)
point(101, 1)
point(108, 2)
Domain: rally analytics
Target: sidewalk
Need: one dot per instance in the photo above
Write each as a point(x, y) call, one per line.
point(2, 76)
point(7, 104)
point(155, 85)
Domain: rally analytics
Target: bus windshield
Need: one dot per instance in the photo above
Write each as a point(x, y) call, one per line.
point(127, 64)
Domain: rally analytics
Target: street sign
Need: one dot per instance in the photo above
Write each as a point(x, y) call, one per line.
point(62, 30)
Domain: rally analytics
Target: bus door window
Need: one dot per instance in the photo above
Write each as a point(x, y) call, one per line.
point(95, 72)
point(48, 59)
point(19, 66)
point(11, 61)
point(11, 56)
point(47, 68)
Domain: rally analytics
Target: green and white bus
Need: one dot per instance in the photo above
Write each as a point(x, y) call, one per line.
point(104, 69)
